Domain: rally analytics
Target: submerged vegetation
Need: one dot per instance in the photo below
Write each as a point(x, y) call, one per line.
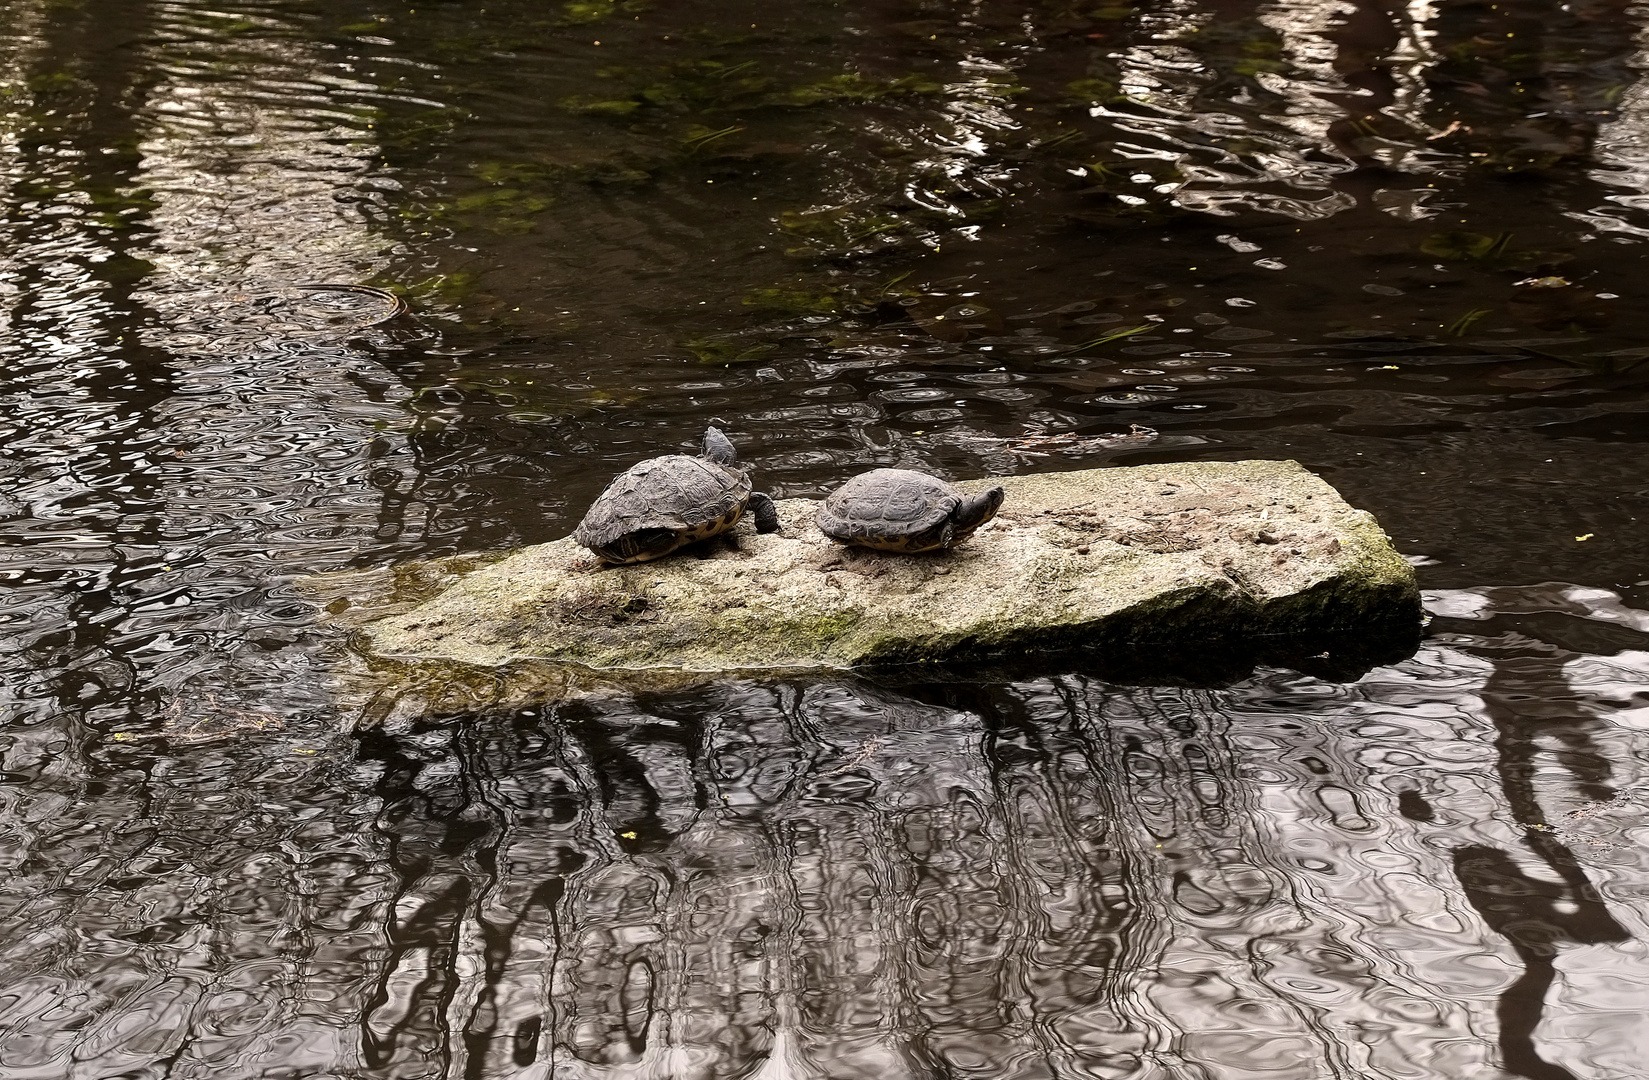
point(847, 167)
point(710, 86)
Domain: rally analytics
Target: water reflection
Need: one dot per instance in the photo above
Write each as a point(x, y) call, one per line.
point(175, 443)
point(899, 246)
point(1056, 877)
point(1397, 242)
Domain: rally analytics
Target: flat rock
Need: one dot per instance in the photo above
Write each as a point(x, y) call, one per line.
point(1174, 558)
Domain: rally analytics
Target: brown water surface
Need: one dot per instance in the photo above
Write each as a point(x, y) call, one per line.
point(1401, 243)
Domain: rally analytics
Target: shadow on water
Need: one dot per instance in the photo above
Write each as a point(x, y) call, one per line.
point(1400, 243)
point(1539, 715)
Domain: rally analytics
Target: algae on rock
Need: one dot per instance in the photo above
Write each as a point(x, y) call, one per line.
point(1181, 558)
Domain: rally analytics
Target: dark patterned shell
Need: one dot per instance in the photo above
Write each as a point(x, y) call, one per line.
point(891, 508)
point(676, 498)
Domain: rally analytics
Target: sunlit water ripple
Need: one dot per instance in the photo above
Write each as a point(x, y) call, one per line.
point(1403, 246)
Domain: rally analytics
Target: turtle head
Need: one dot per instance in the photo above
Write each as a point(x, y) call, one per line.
point(719, 448)
point(974, 512)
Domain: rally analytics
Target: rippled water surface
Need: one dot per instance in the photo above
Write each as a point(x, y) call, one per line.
point(1401, 243)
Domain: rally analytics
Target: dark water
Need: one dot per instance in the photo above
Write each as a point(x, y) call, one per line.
point(1404, 244)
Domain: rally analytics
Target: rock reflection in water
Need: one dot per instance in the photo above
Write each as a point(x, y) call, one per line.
point(1057, 878)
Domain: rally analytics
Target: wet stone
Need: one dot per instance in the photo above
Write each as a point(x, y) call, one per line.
point(1184, 558)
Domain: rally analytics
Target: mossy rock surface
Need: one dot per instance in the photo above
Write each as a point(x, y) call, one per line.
point(1180, 558)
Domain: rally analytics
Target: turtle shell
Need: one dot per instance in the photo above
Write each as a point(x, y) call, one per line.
point(659, 504)
point(891, 509)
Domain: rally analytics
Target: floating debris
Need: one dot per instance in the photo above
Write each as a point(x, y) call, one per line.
point(202, 717)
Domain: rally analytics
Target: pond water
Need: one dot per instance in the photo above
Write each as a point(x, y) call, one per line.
point(1401, 243)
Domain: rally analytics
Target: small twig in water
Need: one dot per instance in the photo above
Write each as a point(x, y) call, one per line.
point(226, 721)
point(1125, 332)
point(866, 750)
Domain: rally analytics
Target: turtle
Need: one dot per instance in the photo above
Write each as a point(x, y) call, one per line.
point(904, 510)
point(657, 505)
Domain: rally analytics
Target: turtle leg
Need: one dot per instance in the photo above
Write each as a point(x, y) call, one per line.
point(643, 545)
point(936, 537)
point(974, 512)
point(765, 513)
point(719, 448)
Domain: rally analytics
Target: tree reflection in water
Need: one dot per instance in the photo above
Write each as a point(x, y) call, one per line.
point(1320, 223)
point(1055, 878)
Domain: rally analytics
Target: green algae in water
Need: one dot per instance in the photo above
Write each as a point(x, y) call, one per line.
point(504, 211)
point(726, 350)
point(1491, 251)
point(699, 138)
point(690, 85)
point(543, 176)
point(415, 130)
point(837, 229)
point(446, 290)
point(56, 84)
point(705, 85)
point(792, 301)
point(612, 107)
point(510, 201)
point(584, 12)
point(1253, 66)
point(1093, 92)
point(855, 88)
point(1464, 245)
point(525, 393)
